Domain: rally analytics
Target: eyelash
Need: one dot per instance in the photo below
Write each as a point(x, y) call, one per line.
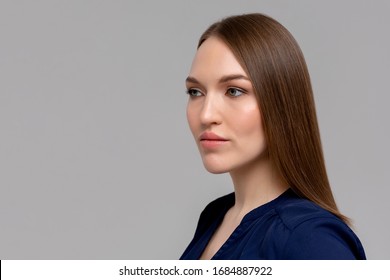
point(236, 89)
point(193, 92)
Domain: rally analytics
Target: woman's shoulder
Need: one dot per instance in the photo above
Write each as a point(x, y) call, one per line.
point(315, 233)
point(295, 211)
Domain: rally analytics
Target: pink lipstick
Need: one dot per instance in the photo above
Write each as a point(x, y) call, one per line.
point(210, 140)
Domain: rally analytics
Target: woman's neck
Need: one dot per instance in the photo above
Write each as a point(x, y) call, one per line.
point(256, 184)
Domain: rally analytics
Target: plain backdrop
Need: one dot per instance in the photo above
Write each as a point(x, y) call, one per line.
point(96, 159)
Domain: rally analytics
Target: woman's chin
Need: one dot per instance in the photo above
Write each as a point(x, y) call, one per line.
point(215, 168)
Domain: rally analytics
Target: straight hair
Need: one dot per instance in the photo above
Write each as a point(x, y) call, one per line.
point(275, 64)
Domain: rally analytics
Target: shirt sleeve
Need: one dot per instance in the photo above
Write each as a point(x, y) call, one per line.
point(323, 239)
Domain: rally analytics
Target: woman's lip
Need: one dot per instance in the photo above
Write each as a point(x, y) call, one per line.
point(210, 140)
point(212, 144)
point(211, 136)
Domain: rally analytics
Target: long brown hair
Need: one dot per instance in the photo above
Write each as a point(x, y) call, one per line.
point(277, 69)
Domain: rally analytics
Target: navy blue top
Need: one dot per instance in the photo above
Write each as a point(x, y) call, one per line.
point(288, 227)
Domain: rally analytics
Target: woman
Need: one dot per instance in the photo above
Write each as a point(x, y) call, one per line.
point(251, 112)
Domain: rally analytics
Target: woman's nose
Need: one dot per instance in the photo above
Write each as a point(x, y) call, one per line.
point(211, 110)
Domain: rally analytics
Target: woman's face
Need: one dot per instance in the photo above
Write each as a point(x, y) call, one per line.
point(222, 110)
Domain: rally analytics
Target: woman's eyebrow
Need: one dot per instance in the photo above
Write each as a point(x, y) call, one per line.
point(228, 78)
point(192, 80)
point(223, 79)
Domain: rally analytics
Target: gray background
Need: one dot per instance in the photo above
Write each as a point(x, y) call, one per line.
point(96, 160)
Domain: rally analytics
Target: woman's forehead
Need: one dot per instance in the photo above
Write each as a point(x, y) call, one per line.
point(214, 60)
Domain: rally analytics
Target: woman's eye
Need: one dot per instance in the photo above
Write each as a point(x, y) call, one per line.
point(234, 92)
point(194, 92)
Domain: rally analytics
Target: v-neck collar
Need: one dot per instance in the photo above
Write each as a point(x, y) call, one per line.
point(251, 215)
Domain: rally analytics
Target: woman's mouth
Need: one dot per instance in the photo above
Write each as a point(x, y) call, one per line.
point(210, 140)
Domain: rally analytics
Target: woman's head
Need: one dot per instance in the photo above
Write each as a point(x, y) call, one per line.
point(271, 59)
point(222, 111)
